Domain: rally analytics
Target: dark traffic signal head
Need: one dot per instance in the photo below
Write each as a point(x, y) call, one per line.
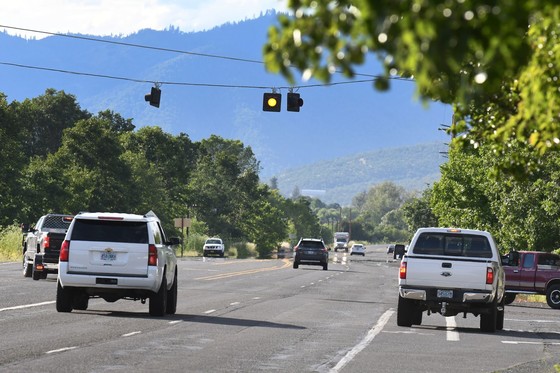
point(294, 102)
point(272, 101)
point(154, 97)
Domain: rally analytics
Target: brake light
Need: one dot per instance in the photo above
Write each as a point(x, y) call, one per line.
point(110, 218)
point(152, 255)
point(64, 251)
point(402, 271)
point(46, 242)
point(489, 276)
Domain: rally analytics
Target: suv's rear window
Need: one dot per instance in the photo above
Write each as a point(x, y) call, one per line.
point(110, 231)
point(312, 244)
point(450, 244)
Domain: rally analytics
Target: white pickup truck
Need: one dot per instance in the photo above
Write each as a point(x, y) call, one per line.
point(451, 271)
point(213, 246)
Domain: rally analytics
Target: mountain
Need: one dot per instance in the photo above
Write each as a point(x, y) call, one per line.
point(204, 95)
point(339, 180)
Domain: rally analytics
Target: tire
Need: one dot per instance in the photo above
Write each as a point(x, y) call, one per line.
point(404, 312)
point(553, 296)
point(417, 316)
point(296, 265)
point(80, 301)
point(326, 267)
point(488, 321)
point(27, 268)
point(36, 275)
point(500, 315)
point(172, 297)
point(158, 301)
point(509, 298)
point(63, 299)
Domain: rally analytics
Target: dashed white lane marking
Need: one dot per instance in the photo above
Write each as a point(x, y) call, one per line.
point(452, 334)
point(209, 311)
point(175, 322)
point(61, 350)
point(131, 334)
point(365, 342)
point(27, 306)
point(256, 298)
point(234, 303)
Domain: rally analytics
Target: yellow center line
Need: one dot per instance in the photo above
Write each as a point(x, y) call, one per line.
point(246, 272)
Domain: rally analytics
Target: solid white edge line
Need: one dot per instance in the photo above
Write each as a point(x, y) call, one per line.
point(26, 306)
point(365, 342)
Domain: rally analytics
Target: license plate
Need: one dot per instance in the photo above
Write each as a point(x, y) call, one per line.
point(445, 293)
point(109, 257)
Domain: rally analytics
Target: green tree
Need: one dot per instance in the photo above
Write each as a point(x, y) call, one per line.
point(417, 212)
point(488, 47)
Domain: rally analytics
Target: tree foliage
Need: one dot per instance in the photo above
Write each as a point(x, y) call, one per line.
point(467, 53)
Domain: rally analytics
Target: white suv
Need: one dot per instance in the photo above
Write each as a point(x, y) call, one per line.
point(117, 256)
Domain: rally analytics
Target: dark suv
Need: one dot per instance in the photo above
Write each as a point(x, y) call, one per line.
point(311, 251)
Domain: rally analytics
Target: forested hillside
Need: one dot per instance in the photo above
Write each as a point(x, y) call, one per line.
point(412, 167)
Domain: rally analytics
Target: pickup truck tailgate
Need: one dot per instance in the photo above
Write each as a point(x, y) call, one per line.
point(447, 273)
point(108, 258)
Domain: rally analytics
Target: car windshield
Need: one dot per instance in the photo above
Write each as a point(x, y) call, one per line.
point(213, 241)
point(110, 231)
point(449, 244)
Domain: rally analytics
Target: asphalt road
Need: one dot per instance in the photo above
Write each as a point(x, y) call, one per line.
point(253, 315)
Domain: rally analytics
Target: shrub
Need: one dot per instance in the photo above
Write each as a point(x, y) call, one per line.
point(10, 243)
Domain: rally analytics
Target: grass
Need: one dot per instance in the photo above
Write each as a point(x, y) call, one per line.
point(10, 243)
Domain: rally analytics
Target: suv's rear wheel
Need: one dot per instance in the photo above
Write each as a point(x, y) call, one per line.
point(172, 297)
point(296, 265)
point(158, 301)
point(63, 299)
point(325, 266)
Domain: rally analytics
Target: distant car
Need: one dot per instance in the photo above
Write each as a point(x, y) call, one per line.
point(311, 251)
point(358, 249)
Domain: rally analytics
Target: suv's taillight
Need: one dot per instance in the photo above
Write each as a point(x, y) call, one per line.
point(46, 242)
point(64, 251)
point(402, 271)
point(152, 255)
point(489, 276)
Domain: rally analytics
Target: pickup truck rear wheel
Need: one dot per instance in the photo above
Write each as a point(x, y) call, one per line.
point(296, 265)
point(489, 320)
point(405, 312)
point(500, 315)
point(553, 296)
point(27, 268)
point(158, 301)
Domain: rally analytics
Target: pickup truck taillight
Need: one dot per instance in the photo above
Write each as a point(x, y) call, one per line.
point(489, 276)
point(152, 255)
point(402, 271)
point(46, 242)
point(64, 251)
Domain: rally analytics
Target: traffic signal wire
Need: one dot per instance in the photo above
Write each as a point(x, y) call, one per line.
point(159, 82)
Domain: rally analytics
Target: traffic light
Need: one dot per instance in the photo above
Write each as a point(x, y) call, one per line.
point(294, 102)
point(272, 101)
point(154, 97)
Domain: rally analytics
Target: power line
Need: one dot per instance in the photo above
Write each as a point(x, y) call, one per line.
point(161, 49)
point(184, 83)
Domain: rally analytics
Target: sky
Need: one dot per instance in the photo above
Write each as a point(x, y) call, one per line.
point(124, 17)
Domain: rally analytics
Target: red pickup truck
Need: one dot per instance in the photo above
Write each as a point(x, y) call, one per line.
point(533, 272)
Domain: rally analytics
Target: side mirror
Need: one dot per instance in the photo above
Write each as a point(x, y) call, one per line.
point(173, 241)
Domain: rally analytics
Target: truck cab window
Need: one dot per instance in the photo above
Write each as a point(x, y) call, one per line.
point(529, 261)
